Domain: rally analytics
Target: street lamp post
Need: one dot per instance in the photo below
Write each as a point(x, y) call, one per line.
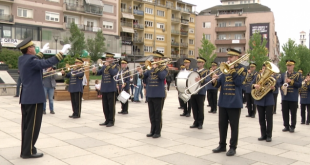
point(56, 39)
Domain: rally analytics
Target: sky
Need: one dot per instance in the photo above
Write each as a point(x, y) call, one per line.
point(290, 16)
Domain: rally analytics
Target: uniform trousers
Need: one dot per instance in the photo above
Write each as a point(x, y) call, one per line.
point(213, 99)
point(125, 106)
point(275, 97)
point(287, 108)
point(303, 113)
point(232, 115)
point(76, 102)
point(250, 104)
point(108, 104)
point(197, 102)
point(155, 113)
point(208, 97)
point(187, 107)
point(265, 115)
point(31, 124)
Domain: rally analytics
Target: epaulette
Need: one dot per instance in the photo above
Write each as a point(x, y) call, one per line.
point(240, 70)
point(40, 55)
point(203, 72)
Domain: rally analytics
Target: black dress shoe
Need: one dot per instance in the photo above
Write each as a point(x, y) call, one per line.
point(121, 112)
point(180, 108)
point(110, 125)
point(183, 114)
point(302, 123)
point(149, 135)
point(285, 129)
point(193, 126)
point(261, 138)
point(268, 139)
point(37, 155)
point(156, 135)
point(125, 112)
point(307, 123)
point(231, 152)
point(253, 116)
point(210, 111)
point(292, 130)
point(71, 116)
point(219, 149)
point(75, 117)
point(188, 115)
point(247, 116)
point(200, 127)
point(214, 112)
point(102, 124)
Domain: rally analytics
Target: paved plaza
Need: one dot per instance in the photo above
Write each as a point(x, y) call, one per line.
point(83, 142)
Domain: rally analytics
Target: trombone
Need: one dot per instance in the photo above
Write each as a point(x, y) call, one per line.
point(57, 71)
point(148, 65)
point(225, 68)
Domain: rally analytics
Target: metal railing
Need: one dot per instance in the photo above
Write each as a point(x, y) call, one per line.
point(84, 9)
point(138, 12)
point(126, 38)
point(127, 24)
point(224, 26)
point(184, 21)
point(175, 32)
point(183, 44)
point(126, 10)
point(175, 19)
point(231, 38)
point(183, 55)
point(137, 53)
point(174, 55)
point(138, 40)
point(175, 44)
point(138, 26)
point(184, 33)
point(7, 17)
point(85, 27)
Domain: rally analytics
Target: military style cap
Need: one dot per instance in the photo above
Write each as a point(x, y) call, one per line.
point(233, 52)
point(124, 61)
point(108, 54)
point(253, 65)
point(300, 71)
point(25, 43)
point(158, 54)
point(214, 63)
point(79, 60)
point(182, 66)
point(200, 59)
point(290, 62)
point(187, 60)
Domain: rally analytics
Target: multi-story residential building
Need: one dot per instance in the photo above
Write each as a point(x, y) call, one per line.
point(164, 25)
point(231, 25)
point(49, 20)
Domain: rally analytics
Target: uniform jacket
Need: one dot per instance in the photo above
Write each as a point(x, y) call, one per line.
point(155, 81)
point(209, 78)
point(268, 99)
point(31, 69)
point(107, 82)
point(305, 93)
point(231, 87)
point(125, 80)
point(202, 74)
point(248, 80)
point(76, 81)
point(292, 89)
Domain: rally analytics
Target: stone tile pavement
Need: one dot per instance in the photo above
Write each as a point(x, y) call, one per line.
point(83, 142)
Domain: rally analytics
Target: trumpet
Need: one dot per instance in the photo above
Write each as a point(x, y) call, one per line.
point(100, 63)
point(224, 69)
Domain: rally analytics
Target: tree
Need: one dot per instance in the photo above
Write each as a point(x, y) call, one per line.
point(304, 55)
point(77, 41)
point(10, 57)
point(95, 46)
point(258, 51)
point(289, 53)
point(206, 51)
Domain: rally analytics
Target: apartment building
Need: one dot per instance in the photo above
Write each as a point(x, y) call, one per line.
point(149, 25)
point(49, 21)
point(231, 25)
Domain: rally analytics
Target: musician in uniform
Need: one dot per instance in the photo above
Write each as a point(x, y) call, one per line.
point(230, 102)
point(290, 100)
point(249, 99)
point(305, 100)
point(187, 106)
point(108, 89)
point(197, 100)
point(156, 93)
point(32, 94)
point(181, 102)
point(212, 91)
point(124, 84)
point(76, 87)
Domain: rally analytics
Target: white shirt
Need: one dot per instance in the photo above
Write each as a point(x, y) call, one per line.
point(97, 86)
point(84, 82)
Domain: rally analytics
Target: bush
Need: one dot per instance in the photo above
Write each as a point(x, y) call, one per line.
point(10, 57)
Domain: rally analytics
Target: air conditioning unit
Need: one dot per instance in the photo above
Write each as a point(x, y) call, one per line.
point(164, 29)
point(240, 13)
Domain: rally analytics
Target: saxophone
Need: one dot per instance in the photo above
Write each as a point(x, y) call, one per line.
point(266, 81)
point(285, 85)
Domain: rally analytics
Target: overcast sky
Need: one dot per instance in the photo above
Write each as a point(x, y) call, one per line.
point(290, 16)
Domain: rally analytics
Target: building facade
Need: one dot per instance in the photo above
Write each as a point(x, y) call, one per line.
point(231, 25)
point(303, 38)
point(149, 25)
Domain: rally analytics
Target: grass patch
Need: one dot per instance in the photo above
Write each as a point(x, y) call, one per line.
point(92, 77)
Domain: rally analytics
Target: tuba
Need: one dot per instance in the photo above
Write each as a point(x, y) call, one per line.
point(266, 81)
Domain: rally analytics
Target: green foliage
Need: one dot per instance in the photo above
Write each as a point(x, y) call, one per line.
point(77, 40)
point(10, 57)
point(206, 51)
point(258, 51)
point(304, 55)
point(95, 46)
point(290, 49)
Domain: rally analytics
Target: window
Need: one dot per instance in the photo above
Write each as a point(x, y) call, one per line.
point(27, 13)
point(191, 41)
point(161, 50)
point(238, 23)
point(148, 48)
point(223, 49)
point(160, 13)
point(222, 24)
point(108, 8)
point(238, 48)
point(22, 32)
point(148, 10)
point(222, 37)
point(1, 11)
point(49, 16)
point(7, 32)
point(206, 24)
point(208, 36)
point(238, 36)
point(149, 23)
point(191, 30)
point(160, 25)
point(123, 5)
point(191, 52)
point(191, 19)
point(160, 38)
point(70, 19)
point(148, 36)
point(107, 25)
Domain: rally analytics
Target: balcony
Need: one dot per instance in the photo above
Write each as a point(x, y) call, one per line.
point(138, 12)
point(126, 10)
point(138, 40)
point(230, 29)
point(185, 10)
point(184, 44)
point(224, 54)
point(175, 44)
point(230, 41)
point(126, 24)
point(174, 55)
point(184, 33)
point(8, 1)
point(138, 26)
point(126, 38)
point(88, 9)
point(184, 21)
point(175, 32)
point(183, 55)
point(85, 27)
point(138, 53)
point(6, 18)
point(175, 20)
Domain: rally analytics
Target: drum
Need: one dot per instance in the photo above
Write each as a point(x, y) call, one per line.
point(123, 97)
point(186, 79)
